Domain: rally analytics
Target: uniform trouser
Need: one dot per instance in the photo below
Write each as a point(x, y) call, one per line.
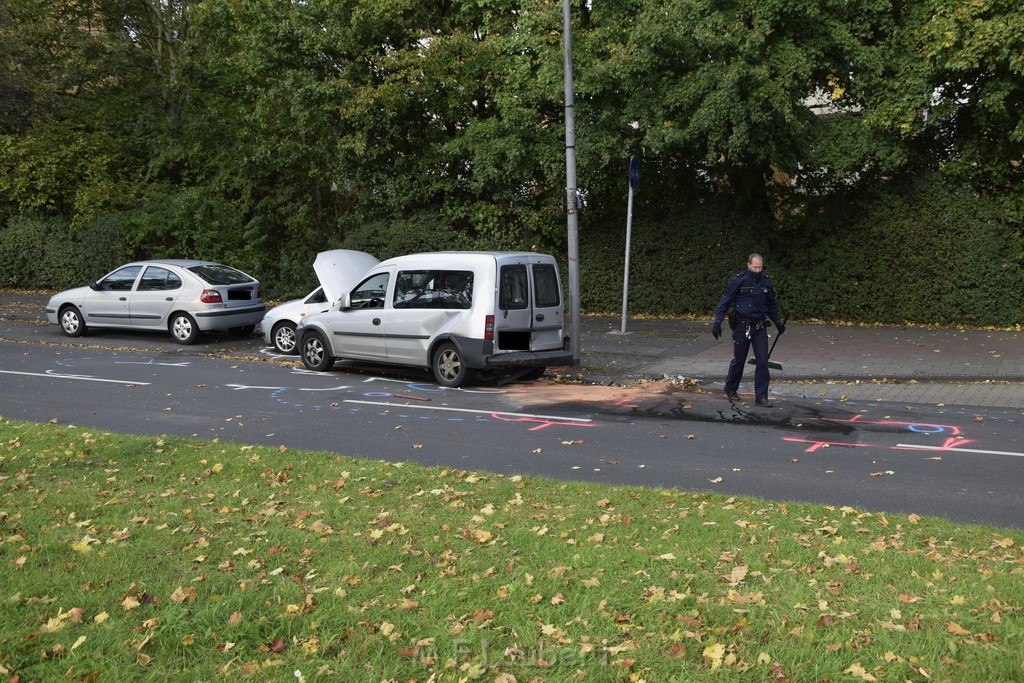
point(741, 347)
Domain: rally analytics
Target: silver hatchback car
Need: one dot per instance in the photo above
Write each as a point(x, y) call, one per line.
point(179, 296)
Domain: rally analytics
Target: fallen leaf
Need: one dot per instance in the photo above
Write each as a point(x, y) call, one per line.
point(956, 629)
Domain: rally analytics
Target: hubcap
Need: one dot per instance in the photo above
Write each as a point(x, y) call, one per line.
point(70, 322)
point(449, 365)
point(285, 338)
point(314, 352)
point(182, 328)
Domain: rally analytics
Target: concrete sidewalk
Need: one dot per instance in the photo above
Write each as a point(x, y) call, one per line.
point(876, 363)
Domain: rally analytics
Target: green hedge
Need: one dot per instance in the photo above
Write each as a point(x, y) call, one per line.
point(44, 252)
point(920, 251)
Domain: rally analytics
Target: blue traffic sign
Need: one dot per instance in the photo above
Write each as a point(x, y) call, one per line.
point(634, 172)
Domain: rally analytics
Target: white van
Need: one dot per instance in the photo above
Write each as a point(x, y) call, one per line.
point(456, 313)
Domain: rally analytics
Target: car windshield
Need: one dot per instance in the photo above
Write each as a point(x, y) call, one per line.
point(216, 274)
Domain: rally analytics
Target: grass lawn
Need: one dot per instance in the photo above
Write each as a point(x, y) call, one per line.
point(139, 558)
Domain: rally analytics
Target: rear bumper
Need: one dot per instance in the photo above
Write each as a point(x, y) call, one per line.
point(227, 318)
point(557, 357)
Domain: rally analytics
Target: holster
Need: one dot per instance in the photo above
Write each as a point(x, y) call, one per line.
point(732, 321)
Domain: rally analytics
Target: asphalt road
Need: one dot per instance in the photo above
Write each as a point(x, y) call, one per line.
point(962, 464)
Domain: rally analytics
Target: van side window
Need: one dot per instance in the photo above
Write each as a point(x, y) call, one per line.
point(514, 288)
point(545, 286)
point(370, 292)
point(452, 289)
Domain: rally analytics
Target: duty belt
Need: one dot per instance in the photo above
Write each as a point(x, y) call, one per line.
point(750, 326)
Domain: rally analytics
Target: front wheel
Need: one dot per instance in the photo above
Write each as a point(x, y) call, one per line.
point(315, 354)
point(283, 336)
point(183, 328)
point(71, 321)
point(449, 368)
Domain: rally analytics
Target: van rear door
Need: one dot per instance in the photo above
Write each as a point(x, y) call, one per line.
point(529, 315)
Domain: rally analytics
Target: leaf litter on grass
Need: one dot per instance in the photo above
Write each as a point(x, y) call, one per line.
point(136, 557)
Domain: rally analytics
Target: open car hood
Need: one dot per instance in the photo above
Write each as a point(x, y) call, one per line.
point(340, 269)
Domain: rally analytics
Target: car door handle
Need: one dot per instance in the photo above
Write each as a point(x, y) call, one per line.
point(376, 321)
point(170, 298)
point(123, 298)
point(540, 317)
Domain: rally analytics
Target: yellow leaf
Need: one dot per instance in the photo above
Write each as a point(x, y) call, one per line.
point(956, 629)
point(82, 546)
point(714, 654)
point(857, 669)
point(81, 639)
point(1003, 543)
point(130, 603)
point(716, 480)
point(957, 600)
point(100, 618)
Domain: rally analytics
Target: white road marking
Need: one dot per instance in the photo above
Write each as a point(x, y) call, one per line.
point(559, 418)
point(957, 450)
point(84, 378)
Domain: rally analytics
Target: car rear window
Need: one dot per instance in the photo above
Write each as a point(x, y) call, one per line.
point(216, 274)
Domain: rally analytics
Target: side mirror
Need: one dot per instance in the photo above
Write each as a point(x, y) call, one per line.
point(95, 286)
point(345, 302)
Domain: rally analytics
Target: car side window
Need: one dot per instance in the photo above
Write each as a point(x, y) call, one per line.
point(514, 288)
point(370, 292)
point(120, 280)
point(158, 280)
point(317, 297)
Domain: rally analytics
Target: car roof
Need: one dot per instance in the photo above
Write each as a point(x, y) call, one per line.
point(461, 257)
point(180, 262)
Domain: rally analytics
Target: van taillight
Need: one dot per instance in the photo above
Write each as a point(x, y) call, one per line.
point(210, 296)
point(489, 328)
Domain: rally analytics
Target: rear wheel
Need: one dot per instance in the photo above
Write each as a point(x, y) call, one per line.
point(71, 321)
point(315, 353)
point(283, 336)
point(183, 328)
point(449, 368)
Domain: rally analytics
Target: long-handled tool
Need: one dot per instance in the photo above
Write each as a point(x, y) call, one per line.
point(774, 365)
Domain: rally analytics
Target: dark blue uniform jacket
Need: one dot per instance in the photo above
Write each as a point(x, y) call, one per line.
point(753, 297)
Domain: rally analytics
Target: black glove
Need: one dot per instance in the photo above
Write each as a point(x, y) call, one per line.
point(782, 327)
point(716, 329)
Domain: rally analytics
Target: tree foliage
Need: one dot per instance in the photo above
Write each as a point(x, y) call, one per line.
point(261, 132)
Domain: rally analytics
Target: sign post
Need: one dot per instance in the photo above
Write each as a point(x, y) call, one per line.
point(634, 183)
point(570, 190)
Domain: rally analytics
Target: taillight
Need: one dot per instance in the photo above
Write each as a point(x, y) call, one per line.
point(259, 292)
point(489, 328)
point(210, 296)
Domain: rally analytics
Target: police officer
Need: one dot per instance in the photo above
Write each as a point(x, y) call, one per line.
point(752, 298)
